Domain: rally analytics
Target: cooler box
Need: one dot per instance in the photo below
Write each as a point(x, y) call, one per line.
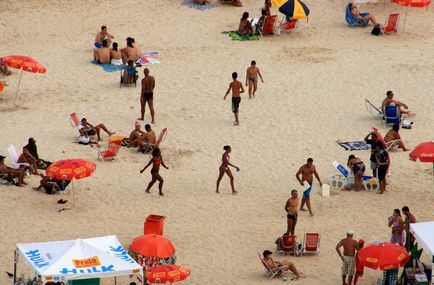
point(154, 225)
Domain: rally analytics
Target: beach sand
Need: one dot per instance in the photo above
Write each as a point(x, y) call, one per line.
point(316, 79)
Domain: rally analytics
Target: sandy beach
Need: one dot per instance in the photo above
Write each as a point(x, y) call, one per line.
point(316, 80)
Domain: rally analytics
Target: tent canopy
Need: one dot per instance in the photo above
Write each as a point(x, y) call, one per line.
point(424, 234)
point(79, 259)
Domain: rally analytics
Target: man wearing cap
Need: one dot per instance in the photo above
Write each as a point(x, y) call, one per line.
point(12, 173)
point(284, 265)
point(348, 261)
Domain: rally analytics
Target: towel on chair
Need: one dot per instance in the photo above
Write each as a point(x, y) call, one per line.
point(235, 36)
point(354, 145)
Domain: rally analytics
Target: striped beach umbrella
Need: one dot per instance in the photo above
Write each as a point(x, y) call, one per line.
point(294, 9)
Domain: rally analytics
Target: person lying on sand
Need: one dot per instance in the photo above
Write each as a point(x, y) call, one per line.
point(12, 173)
point(102, 55)
point(103, 35)
point(245, 27)
point(285, 265)
point(86, 129)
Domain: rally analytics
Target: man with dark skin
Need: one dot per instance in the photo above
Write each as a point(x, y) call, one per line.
point(147, 95)
point(87, 129)
point(237, 88)
point(291, 210)
point(409, 219)
point(102, 55)
point(307, 171)
point(12, 173)
point(348, 261)
point(374, 142)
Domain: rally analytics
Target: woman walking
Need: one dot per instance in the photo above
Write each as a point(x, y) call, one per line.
point(224, 168)
point(156, 160)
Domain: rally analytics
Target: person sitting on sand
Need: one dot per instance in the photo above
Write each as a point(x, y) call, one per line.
point(103, 35)
point(116, 55)
point(403, 108)
point(4, 69)
point(102, 55)
point(86, 129)
point(245, 27)
point(136, 136)
point(12, 173)
point(130, 52)
point(358, 168)
point(364, 18)
point(393, 136)
point(285, 265)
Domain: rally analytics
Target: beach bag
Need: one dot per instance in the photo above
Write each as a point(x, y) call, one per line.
point(376, 31)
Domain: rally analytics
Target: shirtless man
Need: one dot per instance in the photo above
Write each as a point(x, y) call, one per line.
point(348, 262)
point(130, 52)
point(285, 265)
point(147, 95)
point(12, 173)
point(403, 108)
point(102, 55)
point(136, 136)
point(409, 219)
point(307, 171)
point(252, 78)
point(86, 129)
point(148, 140)
point(291, 208)
point(103, 35)
point(237, 89)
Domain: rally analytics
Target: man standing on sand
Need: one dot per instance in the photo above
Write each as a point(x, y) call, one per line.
point(252, 78)
point(307, 171)
point(237, 89)
point(348, 261)
point(409, 219)
point(291, 210)
point(147, 95)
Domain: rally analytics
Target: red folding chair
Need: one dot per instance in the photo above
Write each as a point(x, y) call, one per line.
point(288, 25)
point(268, 27)
point(286, 244)
point(391, 24)
point(311, 243)
point(110, 152)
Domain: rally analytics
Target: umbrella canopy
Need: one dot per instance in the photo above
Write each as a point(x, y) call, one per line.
point(23, 62)
point(167, 273)
point(69, 169)
point(153, 246)
point(2, 86)
point(295, 9)
point(413, 3)
point(383, 255)
point(423, 152)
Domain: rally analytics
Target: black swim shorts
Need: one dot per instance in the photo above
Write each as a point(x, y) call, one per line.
point(235, 104)
point(148, 96)
point(291, 217)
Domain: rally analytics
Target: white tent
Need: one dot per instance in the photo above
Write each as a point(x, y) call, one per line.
point(424, 235)
point(79, 259)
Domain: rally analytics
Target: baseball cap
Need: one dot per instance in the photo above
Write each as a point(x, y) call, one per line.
point(350, 232)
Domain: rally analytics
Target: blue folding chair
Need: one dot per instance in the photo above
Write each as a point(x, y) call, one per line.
point(391, 115)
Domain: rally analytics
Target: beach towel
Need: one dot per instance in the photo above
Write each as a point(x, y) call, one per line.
point(235, 36)
point(148, 58)
point(354, 145)
point(109, 67)
point(191, 4)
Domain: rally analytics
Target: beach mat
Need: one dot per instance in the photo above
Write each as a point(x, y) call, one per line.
point(354, 145)
point(191, 4)
point(235, 36)
point(109, 67)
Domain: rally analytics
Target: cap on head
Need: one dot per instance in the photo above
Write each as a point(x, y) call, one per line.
point(267, 252)
point(350, 232)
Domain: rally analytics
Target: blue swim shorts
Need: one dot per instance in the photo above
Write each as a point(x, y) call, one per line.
point(306, 193)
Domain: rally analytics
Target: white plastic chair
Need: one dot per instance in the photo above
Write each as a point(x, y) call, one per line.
point(14, 158)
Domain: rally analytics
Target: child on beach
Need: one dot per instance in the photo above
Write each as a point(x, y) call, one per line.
point(237, 88)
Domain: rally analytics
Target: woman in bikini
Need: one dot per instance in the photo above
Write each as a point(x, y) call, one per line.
point(156, 160)
point(358, 168)
point(224, 168)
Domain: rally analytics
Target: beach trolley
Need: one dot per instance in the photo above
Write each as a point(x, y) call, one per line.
point(80, 261)
point(424, 237)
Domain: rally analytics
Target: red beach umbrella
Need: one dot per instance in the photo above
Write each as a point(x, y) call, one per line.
point(153, 245)
point(167, 273)
point(412, 3)
point(423, 152)
point(384, 256)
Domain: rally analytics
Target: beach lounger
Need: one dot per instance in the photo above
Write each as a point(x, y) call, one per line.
point(311, 243)
point(342, 178)
point(269, 26)
point(353, 22)
point(271, 274)
point(391, 24)
point(5, 181)
point(110, 152)
point(371, 108)
point(389, 145)
point(14, 159)
point(286, 244)
point(391, 115)
point(287, 25)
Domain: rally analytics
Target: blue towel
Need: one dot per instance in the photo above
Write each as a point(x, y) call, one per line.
point(354, 21)
point(109, 67)
point(191, 4)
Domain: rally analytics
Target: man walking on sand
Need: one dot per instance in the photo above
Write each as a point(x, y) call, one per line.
point(252, 78)
point(348, 258)
point(147, 95)
point(291, 210)
point(307, 171)
point(237, 89)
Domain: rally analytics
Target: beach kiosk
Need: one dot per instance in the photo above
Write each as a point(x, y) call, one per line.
point(80, 261)
point(424, 235)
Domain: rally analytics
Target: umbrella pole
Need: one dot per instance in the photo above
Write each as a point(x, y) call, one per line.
point(73, 200)
point(18, 87)
point(405, 19)
point(15, 265)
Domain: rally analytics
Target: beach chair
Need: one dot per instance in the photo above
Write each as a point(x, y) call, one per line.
point(287, 25)
point(371, 108)
point(14, 160)
point(271, 274)
point(391, 115)
point(269, 26)
point(391, 24)
point(131, 72)
point(353, 22)
point(110, 152)
point(4, 180)
point(286, 244)
point(388, 145)
point(311, 243)
point(342, 178)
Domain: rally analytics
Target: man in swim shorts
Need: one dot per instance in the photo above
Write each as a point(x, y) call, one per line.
point(307, 171)
point(237, 89)
point(147, 95)
point(103, 35)
point(291, 210)
point(252, 78)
